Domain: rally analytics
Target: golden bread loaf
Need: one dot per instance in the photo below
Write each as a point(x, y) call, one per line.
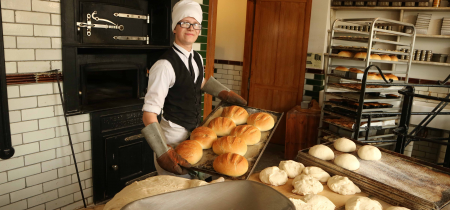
point(249, 133)
point(345, 54)
point(385, 57)
point(341, 68)
point(222, 126)
point(236, 113)
point(394, 58)
point(361, 55)
point(190, 150)
point(231, 164)
point(262, 121)
point(375, 57)
point(229, 144)
point(204, 136)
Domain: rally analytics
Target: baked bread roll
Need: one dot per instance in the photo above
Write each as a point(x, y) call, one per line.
point(204, 136)
point(375, 57)
point(345, 54)
point(222, 126)
point(236, 113)
point(341, 68)
point(393, 77)
point(361, 55)
point(249, 133)
point(229, 144)
point(380, 77)
point(231, 164)
point(385, 57)
point(190, 150)
point(372, 77)
point(394, 58)
point(261, 120)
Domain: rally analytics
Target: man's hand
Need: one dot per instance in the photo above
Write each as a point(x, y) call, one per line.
point(171, 162)
point(232, 97)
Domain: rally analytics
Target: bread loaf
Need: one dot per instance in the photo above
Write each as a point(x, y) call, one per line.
point(345, 54)
point(231, 164)
point(236, 113)
point(375, 57)
point(249, 133)
point(393, 77)
point(222, 126)
point(229, 144)
point(361, 55)
point(385, 58)
point(204, 136)
point(394, 58)
point(341, 68)
point(190, 150)
point(262, 121)
point(372, 77)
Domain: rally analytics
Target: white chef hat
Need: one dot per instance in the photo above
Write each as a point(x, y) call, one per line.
point(186, 8)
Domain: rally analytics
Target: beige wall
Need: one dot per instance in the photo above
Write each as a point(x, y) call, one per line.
point(230, 29)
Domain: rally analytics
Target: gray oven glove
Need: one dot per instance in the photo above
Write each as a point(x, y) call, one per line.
point(217, 89)
point(167, 158)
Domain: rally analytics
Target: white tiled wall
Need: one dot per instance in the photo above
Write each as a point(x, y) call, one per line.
point(230, 76)
point(41, 174)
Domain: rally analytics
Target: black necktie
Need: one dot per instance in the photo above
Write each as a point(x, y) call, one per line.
point(191, 68)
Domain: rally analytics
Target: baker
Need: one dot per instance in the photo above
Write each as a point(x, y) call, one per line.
point(175, 86)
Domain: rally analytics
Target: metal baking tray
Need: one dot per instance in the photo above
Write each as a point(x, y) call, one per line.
point(388, 89)
point(254, 152)
point(395, 178)
point(368, 98)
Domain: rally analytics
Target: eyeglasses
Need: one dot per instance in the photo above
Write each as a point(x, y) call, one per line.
point(196, 26)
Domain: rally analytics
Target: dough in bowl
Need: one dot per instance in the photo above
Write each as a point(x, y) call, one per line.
point(273, 176)
point(368, 152)
point(347, 161)
point(306, 184)
point(322, 152)
point(362, 203)
point(342, 185)
point(317, 173)
point(291, 167)
point(344, 145)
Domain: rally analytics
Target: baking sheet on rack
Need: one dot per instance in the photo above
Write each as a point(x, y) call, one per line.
point(254, 152)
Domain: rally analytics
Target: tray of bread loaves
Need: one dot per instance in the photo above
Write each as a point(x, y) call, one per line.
point(392, 177)
point(230, 140)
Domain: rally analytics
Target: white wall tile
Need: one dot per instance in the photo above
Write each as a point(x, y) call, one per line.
point(4, 199)
point(46, 6)
point(49, 100)
point(34, 42)
point(78, 118)
point(51, 31)
point(87, 145)
point(226, 66)
point(15, 206)
point(22, 127)
point(16, 139)
point(38, 135)
point(87, 164)
point(39, 157)
point(59, 110)
point(16, 4)
point(40, 207)
point(51, 122)
point(75, 128)
point(87, 126)
point(87, 193)
point(13, 91)
point(12, 186)
point(72, 206)
point(239, 68)
point(222, 71)
point(42, 198)
point(57, 65)
point(59, 202)
point(237, 78)
point(69, 170)
point(54, 143)
point(26, 149)
point(32, 17)
point(57, 183)
point(233, 72)
point(69, 189)
point(64, 151)
point(56, 19)
point(22, 103)
point(19, 55)
point(41, 178)
point(56, 163)
point(81, 157)
point(83, 176)
point(56, 43)
point(37, 113)
point(48, 54)
point(3, 178)
point(26, 193)
point(218, 66)
point(11, 67)
point(14, 116)
point(36, 89)
point(81, 137)
point(7, 16)
point(88, 183)
point(17, 29)
point(24, 172)
point(11, 164)
point(9, 41)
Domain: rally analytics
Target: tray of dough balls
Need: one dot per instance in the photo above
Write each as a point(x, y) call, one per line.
point(230, 140)
point(392, 177)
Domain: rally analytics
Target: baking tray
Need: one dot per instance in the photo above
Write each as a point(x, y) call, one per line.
point(254, 152)
point(395, 178)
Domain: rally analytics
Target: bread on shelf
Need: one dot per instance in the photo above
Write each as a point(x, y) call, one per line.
point(385, 57)
point(341, 68)
point(375, 57)
point(346, 54)
point(361, 55)
point(394, 58)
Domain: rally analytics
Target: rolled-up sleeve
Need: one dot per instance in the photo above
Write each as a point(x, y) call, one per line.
point(161, 78)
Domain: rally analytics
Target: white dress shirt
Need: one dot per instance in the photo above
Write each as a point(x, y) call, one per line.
point(162, 77)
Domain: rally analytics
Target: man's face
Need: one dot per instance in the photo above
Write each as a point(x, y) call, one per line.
point(186, 36)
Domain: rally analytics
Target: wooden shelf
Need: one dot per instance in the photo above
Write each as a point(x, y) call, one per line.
point(430, 63)
point(391, 8)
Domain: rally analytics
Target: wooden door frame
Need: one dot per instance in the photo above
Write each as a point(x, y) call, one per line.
point(248, 47)
point(210, 49)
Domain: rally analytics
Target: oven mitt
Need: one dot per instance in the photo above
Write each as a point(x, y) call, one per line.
point(217, 89)
point(167, 158)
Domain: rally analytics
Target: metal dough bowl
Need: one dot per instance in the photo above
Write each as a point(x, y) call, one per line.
point(230, 195)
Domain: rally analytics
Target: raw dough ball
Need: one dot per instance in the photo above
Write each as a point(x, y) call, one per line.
point(362, 203)
point(273, 176)
point(344, 145)
point(342, 185)
point(317, 173)
point(306, 184)
point(321, 152)
point(299, 204)
point(347, 161)
point(292, 168)
point(313, 202)
point(368, 152)
point(397, 208)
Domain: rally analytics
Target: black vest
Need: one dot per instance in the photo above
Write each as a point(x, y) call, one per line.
point(183, 101)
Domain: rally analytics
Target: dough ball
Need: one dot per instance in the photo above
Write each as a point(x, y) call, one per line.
point(368, 152)
point(342, 185)
point(273, 176)
point(317, 173)
point(321, 152)
point(306, 184)
point(319, 202)
point(397, 208)
point(362, 203)
point(292, 168)
point(344, 145)
point(299, 204)
point(347, 161)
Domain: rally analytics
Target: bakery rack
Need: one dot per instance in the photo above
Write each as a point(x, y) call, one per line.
point(365, 92)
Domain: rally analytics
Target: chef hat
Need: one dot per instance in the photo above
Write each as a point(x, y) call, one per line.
point(186, 8)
